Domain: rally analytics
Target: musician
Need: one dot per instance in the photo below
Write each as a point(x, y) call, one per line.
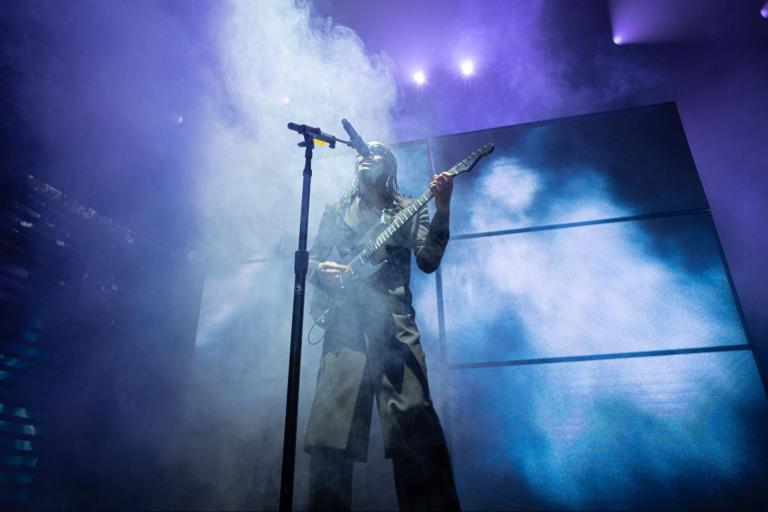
point(372, 347)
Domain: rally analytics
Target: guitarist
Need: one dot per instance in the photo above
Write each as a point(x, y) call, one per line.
point(372, 347)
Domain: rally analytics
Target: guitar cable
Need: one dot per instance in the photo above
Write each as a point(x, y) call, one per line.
point(309, 335)
point(315, 324)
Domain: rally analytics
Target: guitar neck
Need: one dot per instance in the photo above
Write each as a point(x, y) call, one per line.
point(397, 222)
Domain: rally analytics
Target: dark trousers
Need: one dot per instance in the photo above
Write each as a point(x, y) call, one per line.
point(423, 480)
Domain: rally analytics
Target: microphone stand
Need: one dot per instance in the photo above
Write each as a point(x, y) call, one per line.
point(300, 267)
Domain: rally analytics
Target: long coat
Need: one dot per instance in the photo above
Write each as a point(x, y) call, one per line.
point(373, 349)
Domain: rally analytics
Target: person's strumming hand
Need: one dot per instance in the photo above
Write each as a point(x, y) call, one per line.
point(330, 271)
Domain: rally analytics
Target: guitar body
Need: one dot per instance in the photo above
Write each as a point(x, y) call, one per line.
point(329, 300)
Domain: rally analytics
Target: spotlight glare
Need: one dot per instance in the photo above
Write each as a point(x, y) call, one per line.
point(617, 39)
point(764, 11)
point(467, 68)
point(420, 78)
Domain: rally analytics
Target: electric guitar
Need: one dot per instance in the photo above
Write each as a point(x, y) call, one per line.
point(327, 300)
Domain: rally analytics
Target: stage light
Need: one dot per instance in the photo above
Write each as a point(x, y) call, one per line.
point(286, 100)
point(764, 11)
point(467, 68)
point(617, 39)
point(420, 78)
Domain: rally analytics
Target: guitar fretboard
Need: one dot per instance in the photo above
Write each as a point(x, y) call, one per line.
point(397, 222)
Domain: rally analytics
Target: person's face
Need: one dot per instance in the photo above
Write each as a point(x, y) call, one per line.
point(371, 169)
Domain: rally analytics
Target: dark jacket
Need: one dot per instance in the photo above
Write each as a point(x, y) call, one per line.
point(341, 228)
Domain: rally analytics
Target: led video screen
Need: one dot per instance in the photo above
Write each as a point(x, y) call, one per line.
point(618, 287)
point(670, 432)
point(597, 350)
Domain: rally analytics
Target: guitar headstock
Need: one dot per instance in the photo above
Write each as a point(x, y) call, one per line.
point(469, 162)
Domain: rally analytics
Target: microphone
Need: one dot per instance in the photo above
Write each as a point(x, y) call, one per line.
point(316, 134)
point(356, 141)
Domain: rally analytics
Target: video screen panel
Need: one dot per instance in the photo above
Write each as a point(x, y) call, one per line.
point(616, 164)
point(606, 288)
point(676, 432)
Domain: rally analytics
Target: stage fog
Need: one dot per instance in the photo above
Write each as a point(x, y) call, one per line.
point(589, 341)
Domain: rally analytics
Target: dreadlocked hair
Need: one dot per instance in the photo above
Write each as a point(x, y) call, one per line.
point(394, 197)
